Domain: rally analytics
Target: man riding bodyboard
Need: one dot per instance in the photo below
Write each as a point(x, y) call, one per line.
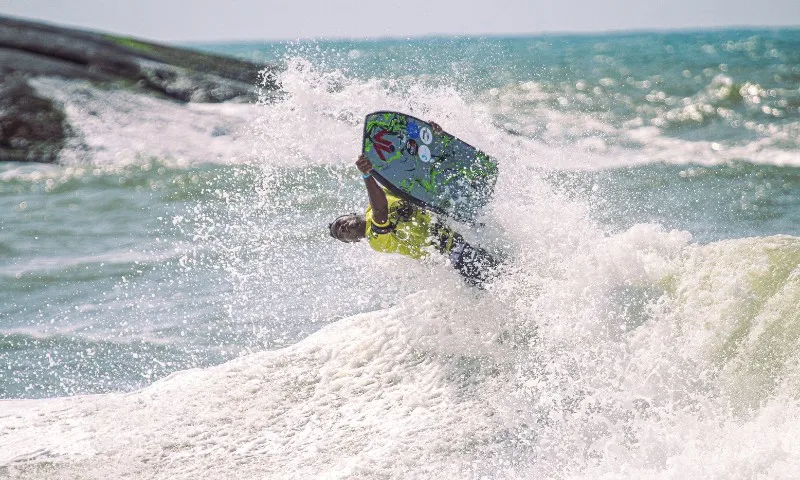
point(394, 225)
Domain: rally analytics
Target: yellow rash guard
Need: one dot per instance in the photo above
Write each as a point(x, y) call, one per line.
point(408, 231)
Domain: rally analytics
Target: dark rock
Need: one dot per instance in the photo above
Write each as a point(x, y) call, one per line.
point(34, 129)
point(29, 64)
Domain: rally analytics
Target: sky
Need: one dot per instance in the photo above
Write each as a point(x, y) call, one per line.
point(180, 21)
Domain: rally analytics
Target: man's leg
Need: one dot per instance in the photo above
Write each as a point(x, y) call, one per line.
point(473, 263)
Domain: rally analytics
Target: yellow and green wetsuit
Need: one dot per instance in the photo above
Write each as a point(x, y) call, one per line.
point(412, 231)
point(408, 230)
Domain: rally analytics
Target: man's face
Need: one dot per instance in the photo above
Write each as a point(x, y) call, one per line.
point(347, 228)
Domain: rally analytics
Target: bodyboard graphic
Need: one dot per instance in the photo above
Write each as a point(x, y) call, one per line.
point(436, 171)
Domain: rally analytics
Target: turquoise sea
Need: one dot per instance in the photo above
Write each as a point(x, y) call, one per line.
point(171, 304)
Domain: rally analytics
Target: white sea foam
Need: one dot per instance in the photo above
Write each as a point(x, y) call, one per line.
point(122, 127)
point(575, 140)
point(609, 367)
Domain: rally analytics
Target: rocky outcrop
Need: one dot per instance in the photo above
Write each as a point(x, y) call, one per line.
point(31, 128)
point(35, 129)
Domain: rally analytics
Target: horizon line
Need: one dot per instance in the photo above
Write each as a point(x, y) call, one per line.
point(424, 36)
point(509, 35)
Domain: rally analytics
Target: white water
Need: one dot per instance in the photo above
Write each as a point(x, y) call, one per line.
point(450, 383)
point(119, 127)
point(592, 356)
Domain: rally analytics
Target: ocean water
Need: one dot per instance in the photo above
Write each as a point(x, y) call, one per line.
point(171, 305)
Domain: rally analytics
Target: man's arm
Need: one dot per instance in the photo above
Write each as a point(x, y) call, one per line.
point(377, 197)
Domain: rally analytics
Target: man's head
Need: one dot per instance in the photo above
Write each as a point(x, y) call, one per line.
point(349, 228)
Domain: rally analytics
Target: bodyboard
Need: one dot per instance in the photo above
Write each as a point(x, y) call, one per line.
point(436, 171)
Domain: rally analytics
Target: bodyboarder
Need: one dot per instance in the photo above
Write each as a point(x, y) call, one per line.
point(393, 225)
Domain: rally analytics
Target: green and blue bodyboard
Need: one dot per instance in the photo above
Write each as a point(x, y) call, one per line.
point(436, 171)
